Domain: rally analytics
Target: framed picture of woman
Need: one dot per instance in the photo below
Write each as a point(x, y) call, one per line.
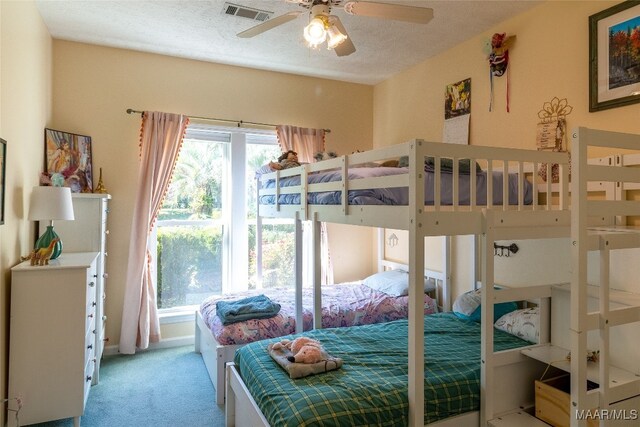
point(68, 159)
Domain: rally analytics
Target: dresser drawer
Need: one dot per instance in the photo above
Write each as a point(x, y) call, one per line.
point(90, 343)
point(88, 377)
point(92, 281)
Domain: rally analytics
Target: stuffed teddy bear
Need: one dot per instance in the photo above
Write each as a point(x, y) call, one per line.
point(303, 350)
point(325, 155)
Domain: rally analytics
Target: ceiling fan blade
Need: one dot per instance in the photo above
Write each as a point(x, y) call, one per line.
point(346, 47)
point(268, 25)
point(418, 15)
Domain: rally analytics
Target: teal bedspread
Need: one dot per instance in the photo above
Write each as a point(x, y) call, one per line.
point(371, 387)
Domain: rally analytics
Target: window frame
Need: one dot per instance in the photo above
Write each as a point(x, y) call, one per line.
point(235, 249)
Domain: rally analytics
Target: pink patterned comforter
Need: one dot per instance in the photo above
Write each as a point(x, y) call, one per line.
point(346, 304)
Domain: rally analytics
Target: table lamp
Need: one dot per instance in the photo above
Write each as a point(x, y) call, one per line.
point(49, 203)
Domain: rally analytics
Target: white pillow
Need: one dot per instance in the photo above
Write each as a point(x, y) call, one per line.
point(524, 323)
point(468, 306)
point(394, 283)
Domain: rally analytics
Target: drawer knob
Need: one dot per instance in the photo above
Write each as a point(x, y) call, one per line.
point(93, 304)
point(92, 284)
point(90, 346)
point(104, 317)
point(106, 339)
point(105, 275)
point(90, 316)
point(106, 232)
point(88, 378)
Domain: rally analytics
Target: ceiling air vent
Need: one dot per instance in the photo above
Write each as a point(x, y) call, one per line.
point(246, 12)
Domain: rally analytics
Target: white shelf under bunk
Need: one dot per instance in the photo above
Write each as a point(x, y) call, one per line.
point(615, 296)
point(557, 357)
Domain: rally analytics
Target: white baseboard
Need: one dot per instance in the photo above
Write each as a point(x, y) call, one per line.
point(113, 350)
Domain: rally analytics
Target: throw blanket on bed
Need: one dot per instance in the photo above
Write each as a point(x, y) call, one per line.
point(301, 370)
point(253, 307)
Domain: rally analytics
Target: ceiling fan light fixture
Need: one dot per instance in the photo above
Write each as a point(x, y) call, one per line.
point(315, 32)
point(335, 37)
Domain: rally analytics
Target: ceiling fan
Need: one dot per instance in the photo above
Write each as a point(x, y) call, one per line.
point(323, 26)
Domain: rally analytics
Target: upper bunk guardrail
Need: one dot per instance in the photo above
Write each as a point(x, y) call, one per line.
point(512, 168)
point(502, 161)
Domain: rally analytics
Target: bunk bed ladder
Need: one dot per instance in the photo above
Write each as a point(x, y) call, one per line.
point(582, 211)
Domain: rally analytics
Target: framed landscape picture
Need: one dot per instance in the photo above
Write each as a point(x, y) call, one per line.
point(614, 56)
point(68, 159)
point(3, 166)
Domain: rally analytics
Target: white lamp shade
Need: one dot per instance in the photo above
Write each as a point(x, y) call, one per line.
point(49, 203)
point(335, 37)
point(315, 32)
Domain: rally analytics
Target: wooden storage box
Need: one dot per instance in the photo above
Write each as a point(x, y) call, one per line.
point(553, 401)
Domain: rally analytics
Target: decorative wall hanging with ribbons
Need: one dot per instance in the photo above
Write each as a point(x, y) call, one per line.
point(498, 55)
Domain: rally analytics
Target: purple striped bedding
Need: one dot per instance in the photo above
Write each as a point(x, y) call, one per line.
point(400, 195)
point(346, 304)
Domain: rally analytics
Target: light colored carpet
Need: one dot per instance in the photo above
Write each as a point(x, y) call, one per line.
point(157, 388)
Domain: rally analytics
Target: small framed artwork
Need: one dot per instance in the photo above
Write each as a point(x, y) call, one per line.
point(3, 166)
point(614, 56)
point(68, 159)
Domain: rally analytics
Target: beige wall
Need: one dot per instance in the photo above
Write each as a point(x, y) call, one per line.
point(549, 59)
point(93, 86)
point(25, 109)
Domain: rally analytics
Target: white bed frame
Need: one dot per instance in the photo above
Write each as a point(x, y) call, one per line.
point(492, 223)
point(615, 385)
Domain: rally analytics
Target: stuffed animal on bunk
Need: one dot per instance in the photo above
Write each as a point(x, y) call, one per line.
point(325, 155)
point(303, 350)
point(41, 256)
point(288, 159)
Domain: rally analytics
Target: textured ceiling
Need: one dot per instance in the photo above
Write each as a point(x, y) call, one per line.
point(200, 30)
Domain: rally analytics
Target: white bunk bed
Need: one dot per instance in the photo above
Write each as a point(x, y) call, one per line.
point(583, 315)
point(494, 221)
point(618, 388)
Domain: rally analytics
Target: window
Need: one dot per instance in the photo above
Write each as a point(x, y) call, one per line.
point(206, 232)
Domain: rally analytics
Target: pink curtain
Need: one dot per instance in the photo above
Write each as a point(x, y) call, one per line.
point(161, 137)
point(306, 142)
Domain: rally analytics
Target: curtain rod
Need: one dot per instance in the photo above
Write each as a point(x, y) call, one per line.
point(239, 123)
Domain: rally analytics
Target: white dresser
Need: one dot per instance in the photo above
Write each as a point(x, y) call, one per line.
point(88, 233)
point(52, 337)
